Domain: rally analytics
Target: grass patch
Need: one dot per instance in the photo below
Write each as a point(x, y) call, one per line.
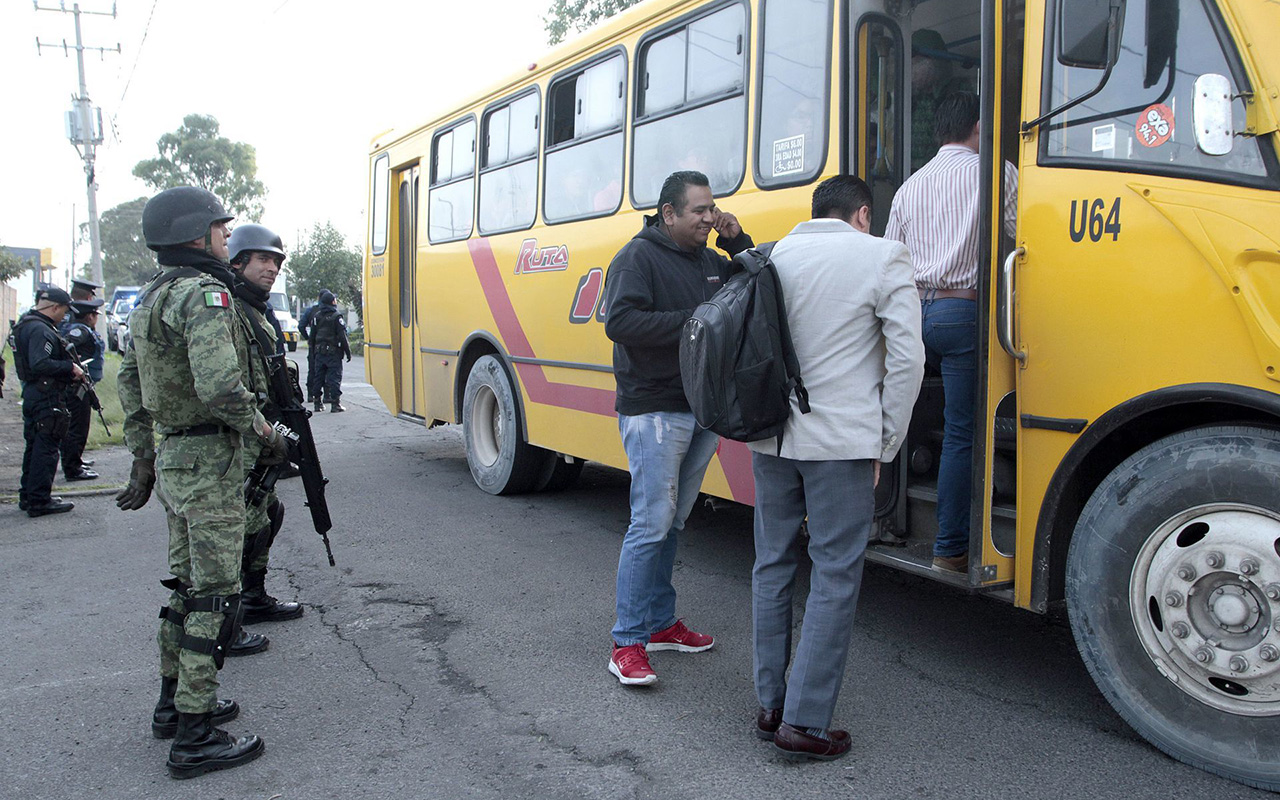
point(106, 389)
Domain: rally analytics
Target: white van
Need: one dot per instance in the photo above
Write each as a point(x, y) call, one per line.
point(280, 304)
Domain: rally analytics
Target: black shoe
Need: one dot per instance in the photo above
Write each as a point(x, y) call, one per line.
point(318, 405)
point(261, 607)
point(246, 644)
point(23, 505)
point(164, 720)
point(336, 407)
point(81, 474)
point(86, 462)
point(199, 747)
point(51, 507)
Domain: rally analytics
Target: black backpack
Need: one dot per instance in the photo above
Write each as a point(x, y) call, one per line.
point(736, 359)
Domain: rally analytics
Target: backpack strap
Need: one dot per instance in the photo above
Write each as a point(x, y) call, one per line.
point(794, 382)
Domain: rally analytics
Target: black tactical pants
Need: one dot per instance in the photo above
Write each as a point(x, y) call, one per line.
point(77, 434)
point(43, 427)
point(313, 377)
point(329, 376)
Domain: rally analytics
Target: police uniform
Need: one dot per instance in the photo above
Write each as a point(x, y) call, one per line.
point(90, 350)
point(45, 366)
point(329, 340)
point(186, 376)
point(304, 330)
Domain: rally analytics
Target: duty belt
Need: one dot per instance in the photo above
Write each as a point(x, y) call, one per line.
point(203, 429)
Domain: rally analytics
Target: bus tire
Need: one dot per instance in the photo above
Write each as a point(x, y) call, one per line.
point(559, 474)
point(1173, 590)
point(501, 461)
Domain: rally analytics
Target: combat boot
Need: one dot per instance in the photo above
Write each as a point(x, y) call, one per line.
point(336, 407)
point(199, 747)
point(246, 644)
point(261, 607)
point(164, 721)
point(319, 404)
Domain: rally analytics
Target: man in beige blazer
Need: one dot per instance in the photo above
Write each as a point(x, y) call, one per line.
point(855, 323)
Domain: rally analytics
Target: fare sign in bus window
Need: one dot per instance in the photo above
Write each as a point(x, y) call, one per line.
point(788, 155)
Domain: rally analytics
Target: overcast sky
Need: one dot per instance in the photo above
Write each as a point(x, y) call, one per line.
point(306, 82)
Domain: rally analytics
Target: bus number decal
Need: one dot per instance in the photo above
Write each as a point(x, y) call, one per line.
point(587, 296)
point(546, 259)
point(1090, 220)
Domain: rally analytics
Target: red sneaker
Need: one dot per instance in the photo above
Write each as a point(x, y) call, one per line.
point(680, 639)
point(631, 666)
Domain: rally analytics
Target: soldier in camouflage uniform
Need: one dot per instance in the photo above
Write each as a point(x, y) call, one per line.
point(256, 257)
point(186, 377)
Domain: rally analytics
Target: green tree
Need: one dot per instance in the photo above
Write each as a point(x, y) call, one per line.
point(573, 16)
point(11, 266)
point(325, 262)
point(126, 261)
point(197, 155)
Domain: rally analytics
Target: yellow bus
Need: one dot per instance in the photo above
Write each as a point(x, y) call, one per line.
point(1127, 454)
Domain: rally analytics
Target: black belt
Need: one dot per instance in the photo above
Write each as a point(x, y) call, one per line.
point(203, 429)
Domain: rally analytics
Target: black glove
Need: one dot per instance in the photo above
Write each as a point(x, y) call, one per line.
point(275, 447)
point(142, 477)
point(348, 358)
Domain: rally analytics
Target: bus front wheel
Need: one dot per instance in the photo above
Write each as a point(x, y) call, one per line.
point(1173, 589)
point(501, 462)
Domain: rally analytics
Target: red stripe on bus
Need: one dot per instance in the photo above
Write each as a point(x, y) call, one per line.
point(540, 390)
point(735, 458)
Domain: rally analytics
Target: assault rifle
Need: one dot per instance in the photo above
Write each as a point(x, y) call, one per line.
point(85, 386)
point(285, 393)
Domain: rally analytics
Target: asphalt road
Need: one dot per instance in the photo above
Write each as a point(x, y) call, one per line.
point(458, 651)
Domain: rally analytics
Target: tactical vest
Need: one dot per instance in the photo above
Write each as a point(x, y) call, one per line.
point(20, 364)
point(324, 331)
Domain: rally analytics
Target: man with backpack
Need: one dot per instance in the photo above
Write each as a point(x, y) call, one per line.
point(329, 341)
point(855, 328)
point(654, 283)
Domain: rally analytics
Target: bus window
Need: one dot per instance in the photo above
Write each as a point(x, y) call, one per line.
point(584, 142)
point(453, 155)
point(691, 105)
point(509, 166)
point(880, 159)
point(1141, 120)
point(378, 219)
point(791, 143)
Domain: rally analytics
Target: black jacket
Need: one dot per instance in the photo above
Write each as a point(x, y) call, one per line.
point(652, 288)
point(42, 358)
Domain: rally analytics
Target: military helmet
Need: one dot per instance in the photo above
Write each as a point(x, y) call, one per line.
point(251, 238)
point(180, 215)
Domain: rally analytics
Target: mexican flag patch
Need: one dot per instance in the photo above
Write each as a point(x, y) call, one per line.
point(217, 300)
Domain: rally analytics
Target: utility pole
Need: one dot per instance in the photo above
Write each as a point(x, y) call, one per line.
point(80, 124)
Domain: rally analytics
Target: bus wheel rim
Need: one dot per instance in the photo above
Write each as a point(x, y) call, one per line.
point(1205, 599)
point(486, 427)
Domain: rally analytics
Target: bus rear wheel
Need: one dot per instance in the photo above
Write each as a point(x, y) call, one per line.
point(1173, 589)
point(501, 461)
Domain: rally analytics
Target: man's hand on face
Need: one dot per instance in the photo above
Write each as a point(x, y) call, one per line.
point(727, 225)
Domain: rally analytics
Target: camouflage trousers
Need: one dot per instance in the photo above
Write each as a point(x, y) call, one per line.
point(257, 525)
point(199, 480)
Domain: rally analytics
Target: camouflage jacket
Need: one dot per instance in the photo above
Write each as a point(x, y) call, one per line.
point(188, 363)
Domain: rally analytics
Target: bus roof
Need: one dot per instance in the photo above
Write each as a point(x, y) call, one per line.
point(591, 40)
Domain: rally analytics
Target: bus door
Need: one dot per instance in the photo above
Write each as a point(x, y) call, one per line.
point(1128, 230)
point(406, 245)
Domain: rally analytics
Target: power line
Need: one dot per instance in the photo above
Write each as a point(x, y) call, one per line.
point(136, 58)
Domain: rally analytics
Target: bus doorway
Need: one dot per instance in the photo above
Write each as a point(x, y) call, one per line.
point(409, 387)
point(901, 59)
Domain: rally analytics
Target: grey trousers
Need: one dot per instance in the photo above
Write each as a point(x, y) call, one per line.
point(840, 501)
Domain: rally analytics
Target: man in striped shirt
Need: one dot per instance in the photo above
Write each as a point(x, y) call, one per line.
point(936, 215)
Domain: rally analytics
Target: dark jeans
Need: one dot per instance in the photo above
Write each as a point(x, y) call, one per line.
point(950, 339)
point(41, 429)
point(77, 434)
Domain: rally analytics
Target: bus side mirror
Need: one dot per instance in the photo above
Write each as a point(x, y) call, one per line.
point(1089, 32)
point(1211, 114)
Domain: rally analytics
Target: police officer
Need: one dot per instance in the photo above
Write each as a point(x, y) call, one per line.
point(84, 289)
point(304, 330)
point(329, 340)
point(256, 257)
point(89, 350)
point(187, 372)
point(47, 370)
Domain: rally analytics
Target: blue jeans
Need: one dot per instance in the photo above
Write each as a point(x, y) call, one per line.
point(950, 340)
point(667, 454)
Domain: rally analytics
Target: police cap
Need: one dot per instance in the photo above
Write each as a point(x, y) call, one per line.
point(180, 215)
point(254, 238)
point(86, 284)
point(83, 308)
point(53, 294)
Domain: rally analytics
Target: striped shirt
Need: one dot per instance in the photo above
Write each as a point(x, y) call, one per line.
point(935, 214)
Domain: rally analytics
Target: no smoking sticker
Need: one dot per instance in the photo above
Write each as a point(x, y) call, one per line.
point(1155, 125)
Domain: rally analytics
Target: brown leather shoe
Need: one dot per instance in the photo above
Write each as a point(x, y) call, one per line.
point(797, 745)
point(958, 563)
point(767, 722)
